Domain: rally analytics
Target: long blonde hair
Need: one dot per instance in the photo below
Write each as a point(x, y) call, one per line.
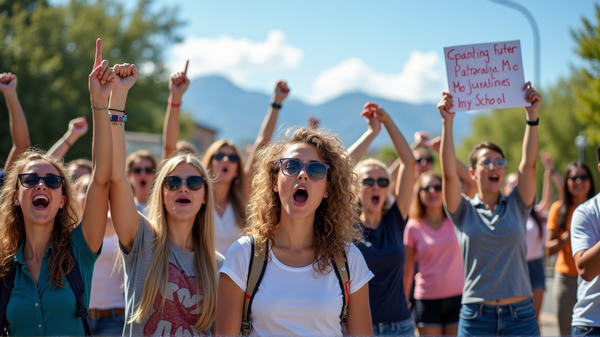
point(205, 264)
point(12, 223)
point(235, 196)
point(336, 221)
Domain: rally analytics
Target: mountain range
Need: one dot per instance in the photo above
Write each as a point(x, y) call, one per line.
point(237, 114)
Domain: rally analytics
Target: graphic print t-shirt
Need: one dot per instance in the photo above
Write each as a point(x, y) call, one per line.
point(180, 311)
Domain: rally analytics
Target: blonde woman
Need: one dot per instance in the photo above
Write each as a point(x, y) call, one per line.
point(302, 205)
point(170, 260)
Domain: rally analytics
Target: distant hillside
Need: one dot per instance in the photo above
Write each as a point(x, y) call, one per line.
point(237, 114)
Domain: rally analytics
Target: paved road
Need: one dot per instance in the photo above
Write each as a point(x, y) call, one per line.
point(548, 325)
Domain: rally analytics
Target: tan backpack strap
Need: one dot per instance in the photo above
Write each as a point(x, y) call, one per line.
point(256, 271)
point(340, 266)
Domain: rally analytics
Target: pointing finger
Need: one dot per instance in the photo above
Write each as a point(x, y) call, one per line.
point(98, 58)
point(186, 66)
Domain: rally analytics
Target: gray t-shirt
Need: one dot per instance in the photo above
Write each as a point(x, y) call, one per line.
point(493, 248)
point(585, 233)
point(180, 312)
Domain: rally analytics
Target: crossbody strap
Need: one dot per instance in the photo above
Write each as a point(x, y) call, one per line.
point(256, 269)
point(7, 283)
point(342, 272)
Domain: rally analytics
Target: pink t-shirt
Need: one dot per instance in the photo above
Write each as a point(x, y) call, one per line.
point(437, 252)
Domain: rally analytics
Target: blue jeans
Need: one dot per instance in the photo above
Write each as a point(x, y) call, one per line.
point(107, 326)
point(585, 331)
point(402, 328)
point(493, 320)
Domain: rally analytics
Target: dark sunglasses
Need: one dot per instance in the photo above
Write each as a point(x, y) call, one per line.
point(583, 177)
point(231, 157)
point(148, 170)
point(382, 182)
point(292, 167)
point(423, 160)
point(194, 183)
point(432, 188)
point(29, 180)
point(488, 163)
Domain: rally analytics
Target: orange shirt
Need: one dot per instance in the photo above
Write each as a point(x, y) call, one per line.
point(565, 264)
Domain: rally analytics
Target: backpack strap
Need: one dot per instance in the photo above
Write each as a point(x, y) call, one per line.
point(342, 272)
point(76, 282)
point(7, 283)
point(256, 271)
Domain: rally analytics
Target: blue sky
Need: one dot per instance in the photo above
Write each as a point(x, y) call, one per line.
point(391, 49)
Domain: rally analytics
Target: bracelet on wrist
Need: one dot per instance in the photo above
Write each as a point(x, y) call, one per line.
point(96, 108)
point(118, 118)
point(117, 110)
point(173, 104)
point(275, 105)
point(532, 123)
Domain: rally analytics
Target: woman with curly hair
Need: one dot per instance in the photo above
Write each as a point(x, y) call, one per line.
point(41, 238)
point(383, 222)
point(303, 206)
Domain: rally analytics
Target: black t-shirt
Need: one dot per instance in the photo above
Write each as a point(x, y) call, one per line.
point(383, 250)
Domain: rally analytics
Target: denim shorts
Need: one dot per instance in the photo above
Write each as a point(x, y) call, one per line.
point(107, 326)
point(585, 331)
point(438, 313)
point(536, 274)
point(516, 319)
point(402, 328)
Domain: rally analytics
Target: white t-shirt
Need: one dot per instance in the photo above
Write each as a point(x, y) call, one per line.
point(107, 282)
point(227, 230)
point(535, 242)
point(585, 233)
point(295, 301)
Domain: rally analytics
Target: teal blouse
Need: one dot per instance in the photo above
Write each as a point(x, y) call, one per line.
point(42, 310)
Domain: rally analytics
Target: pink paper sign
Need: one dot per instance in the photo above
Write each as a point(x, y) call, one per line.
point(485, 76)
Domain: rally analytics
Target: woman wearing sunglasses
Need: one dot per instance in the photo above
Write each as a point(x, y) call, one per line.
point(141, 166)
point(169, 257)
point(232, 179)
point(430, 241)
point(491, 229)
point(578, 187)
point(41, 238)
point(383, 223)
point(302, 205)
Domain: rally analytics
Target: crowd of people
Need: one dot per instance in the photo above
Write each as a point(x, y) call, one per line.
point(306, 238)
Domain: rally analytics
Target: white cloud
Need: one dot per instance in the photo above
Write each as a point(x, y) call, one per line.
point(233, 58)
point(421, 80)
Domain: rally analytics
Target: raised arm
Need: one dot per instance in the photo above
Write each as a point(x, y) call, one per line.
point(450, 180)
point(546, 159)
point(405, 181)
point(469, 187)
point(266, 131)
point(527, 174)
point(93, 224)
point(178, 84)
point(125, 216)
point(77, 128)
point(358, 149)
point(16, 119)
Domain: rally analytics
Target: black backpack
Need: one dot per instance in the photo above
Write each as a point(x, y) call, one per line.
point(76, 282)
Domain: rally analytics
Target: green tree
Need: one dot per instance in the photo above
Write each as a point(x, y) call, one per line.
point(51, 50)
point(588, 94)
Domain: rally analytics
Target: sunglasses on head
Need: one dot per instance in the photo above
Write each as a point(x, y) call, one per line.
point(583, 177)
point(231, 157)
point(148, 170)
point(291, 167)
point(432, 188)
point(29, 180)
point(424, 160)
point(488, 163)
point(194, 183)
point(381, 182)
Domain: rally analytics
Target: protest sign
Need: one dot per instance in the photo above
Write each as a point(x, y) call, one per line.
point(485, 76)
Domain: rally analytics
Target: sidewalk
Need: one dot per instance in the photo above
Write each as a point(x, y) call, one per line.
point(548, 324)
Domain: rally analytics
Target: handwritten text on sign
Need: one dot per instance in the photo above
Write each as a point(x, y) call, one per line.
point(486, 76)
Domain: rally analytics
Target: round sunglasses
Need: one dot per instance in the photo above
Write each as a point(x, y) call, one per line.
point(381, 182)
point(147, 170)
point(194, 183)
point(29, 180)
point(231, 157)
point(291, 167)
point(499, 163)
point(432, 188)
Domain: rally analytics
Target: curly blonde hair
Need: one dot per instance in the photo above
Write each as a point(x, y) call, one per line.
point(12, 223)
point(336, 222)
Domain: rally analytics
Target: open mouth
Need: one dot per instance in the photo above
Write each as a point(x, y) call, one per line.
point(494, 178)
point(375, 200)
point(143, 183)
point(225, 170)
point(40, 202)
point(183, 201)
point(300, 196)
